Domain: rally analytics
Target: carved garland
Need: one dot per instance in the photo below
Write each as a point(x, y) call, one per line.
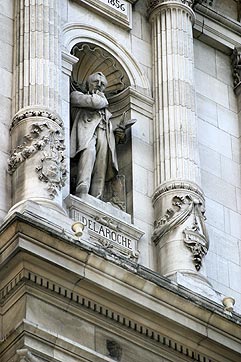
point(196, 236)
point(52, 167)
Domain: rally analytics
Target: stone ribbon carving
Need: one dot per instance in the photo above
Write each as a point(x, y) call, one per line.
point(47, 139)
point(195, 236)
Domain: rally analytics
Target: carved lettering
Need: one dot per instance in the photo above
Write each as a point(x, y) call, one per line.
point(105, 231)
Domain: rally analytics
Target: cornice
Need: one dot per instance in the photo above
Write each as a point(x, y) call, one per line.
point(143, 290)
point(223, 32)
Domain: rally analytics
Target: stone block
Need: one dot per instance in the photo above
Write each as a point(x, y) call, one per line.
point(228, 121)
point(223, 244)
point(210, 160)
point(4, 138)
point(6, 83)
point(227, 220)
point(146, 29)
point(60, 322)
point(214, 138)
point(211, 88)
point(214, 214)
point(142, 154)
point(142, 51)
point(230, 171)
point(141, 129)
point(136, 24)
point(238, 195)
point(233, 106)
point(5, 114)
point(6, 8)
point(224, 68)
point(6, 29)
point(235, 149)
point(142, 207)
point(234, 276)
point(206, 109)
point(202, 52)
point(222, 270)
point(218, 190)
point(235, 224)
point(6, 61)
point(140, 179)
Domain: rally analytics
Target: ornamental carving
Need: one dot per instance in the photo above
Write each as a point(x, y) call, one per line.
point(107, 221)
point(196, 2)
point(36, 113)
point(190, 3)
point(49, 141)
point(24, 355)
point(236, 64)
point(195, 235)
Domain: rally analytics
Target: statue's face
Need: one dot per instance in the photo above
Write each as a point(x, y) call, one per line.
point(96, 82)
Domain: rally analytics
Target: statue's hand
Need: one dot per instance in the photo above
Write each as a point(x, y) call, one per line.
point(120, 135)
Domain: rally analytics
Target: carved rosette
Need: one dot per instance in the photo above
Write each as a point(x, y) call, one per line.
point(47, 139)
point(188, 210)
point(236, 65)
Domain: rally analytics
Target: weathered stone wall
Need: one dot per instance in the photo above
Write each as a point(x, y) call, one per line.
point(6, 70)
point(219, 144)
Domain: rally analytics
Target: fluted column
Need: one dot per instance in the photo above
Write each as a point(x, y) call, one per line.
point(180, 233)
point(37, 161)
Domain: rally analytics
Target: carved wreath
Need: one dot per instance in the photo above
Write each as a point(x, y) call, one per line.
point(50, 141)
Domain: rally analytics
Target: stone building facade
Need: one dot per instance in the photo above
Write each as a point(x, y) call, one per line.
point(152, 270)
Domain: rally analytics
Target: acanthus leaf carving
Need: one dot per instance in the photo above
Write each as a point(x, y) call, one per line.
point(190, 3)
point(49, 140)
point(236, 65)
point(195, 236)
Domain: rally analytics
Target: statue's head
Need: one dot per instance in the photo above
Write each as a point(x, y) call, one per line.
point(96, 81)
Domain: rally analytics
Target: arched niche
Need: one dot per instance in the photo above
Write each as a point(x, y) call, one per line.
point(86, 50)
point(92, 59)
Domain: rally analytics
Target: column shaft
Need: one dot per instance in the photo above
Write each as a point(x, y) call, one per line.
point(178, 200)
point(37, 160)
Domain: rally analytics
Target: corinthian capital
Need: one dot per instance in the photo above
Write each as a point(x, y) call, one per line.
point(191, 3)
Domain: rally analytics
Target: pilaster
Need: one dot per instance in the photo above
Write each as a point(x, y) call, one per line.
point(37, 160)
point(180, 233)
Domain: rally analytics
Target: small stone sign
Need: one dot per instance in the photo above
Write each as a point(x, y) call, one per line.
point(105, 225)
point(118, 11)
point(119, 5)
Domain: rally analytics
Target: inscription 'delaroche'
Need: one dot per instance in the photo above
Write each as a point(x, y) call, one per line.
point(106, 232)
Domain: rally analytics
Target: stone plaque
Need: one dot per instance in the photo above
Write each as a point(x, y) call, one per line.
point(105, 225)
point(118, 11)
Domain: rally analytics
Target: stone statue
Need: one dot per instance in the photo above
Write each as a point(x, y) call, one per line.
point(92, 137)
